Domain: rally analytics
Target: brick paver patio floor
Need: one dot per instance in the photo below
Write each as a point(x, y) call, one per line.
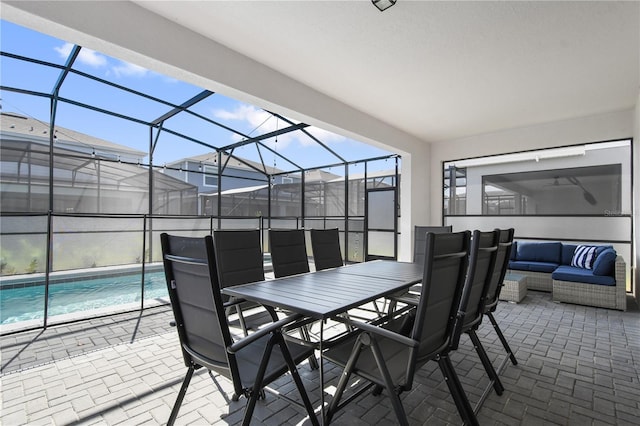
point(577, 365)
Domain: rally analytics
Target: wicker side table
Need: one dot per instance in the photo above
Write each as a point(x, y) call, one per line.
point(514, 288)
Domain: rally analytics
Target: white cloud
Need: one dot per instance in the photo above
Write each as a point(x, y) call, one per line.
point(248, 113)
point(98, 60)
point(325, 136)
point(169, 80)
point(126, 69)
point(255, 117)
point(86, 56)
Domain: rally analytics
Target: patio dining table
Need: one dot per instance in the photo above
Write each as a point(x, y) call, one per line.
point(324, 294)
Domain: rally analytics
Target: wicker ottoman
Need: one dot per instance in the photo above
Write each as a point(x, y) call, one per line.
point(514, 288)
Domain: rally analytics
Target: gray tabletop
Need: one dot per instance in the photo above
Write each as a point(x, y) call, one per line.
point(326, 293)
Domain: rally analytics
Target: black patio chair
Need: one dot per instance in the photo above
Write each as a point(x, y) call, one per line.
point(493, 291)
point(481, 271)
point(199, 311)
point(419, 248)
point(389, 354)
point(288, 252)
point(239, 261)
point(420, 239)
point(325, 244)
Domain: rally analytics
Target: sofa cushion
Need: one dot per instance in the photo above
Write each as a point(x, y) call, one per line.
point(519, 265)
point(522, 265)
point(514, 250)
point(600, 249)
point(542, 266)
point(605, 262)
point(581, 275)
point(567, 253)
point(539, 252)
point(584, 256)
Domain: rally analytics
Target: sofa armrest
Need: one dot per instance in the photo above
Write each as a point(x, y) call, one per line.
point(621, 272)
point(621, 283)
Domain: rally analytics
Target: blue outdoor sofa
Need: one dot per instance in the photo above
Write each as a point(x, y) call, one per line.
point(594, 277)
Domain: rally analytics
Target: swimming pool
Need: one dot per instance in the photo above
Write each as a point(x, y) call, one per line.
point(26, 303)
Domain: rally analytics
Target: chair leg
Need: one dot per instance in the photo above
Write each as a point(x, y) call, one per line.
point(457, 392)
point(488, 367)
point(256, 390)
point(392, 306)
point(386, 377)
point(243, 324)
point(375, 307)
point(254, 393)
point(344, 379)
point(298, 381)
point(181, 394)
point(506, 346)
point(313, 362)
point(377, 390)
point(366, 340)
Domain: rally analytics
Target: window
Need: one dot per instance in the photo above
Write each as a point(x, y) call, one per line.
point(210, 176)
point(573, 191)
point(593, 179)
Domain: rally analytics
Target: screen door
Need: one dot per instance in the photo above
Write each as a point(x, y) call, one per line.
point(381, 223)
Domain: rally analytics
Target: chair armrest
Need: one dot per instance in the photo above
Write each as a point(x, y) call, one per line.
point(238, 300)
point(233, 302)
point(383, 332)
point(274, 326)
point(407, 298)
point(300, 323)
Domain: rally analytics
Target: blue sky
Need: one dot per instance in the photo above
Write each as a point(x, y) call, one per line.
point(247, 119)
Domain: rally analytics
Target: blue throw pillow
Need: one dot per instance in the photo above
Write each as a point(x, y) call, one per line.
point(605, 262)
point(584, 256)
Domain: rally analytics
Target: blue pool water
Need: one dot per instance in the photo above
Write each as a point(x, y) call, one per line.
point(27, 303)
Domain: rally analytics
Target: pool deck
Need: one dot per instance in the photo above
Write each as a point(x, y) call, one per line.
point(577, 365)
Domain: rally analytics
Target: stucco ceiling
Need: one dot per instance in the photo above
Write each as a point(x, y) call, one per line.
point(439, 70)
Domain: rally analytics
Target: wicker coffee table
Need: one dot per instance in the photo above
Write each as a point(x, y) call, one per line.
point(514, 288)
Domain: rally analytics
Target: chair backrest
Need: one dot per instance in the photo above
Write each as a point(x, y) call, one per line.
point(239, 256)
point(420, 238)
point(484, 248)
point(325, 244)
point(500, 269)
point(445, 267)
point(288, 252)
point(192, 282)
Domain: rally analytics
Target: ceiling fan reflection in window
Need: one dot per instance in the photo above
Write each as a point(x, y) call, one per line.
point(574, 181)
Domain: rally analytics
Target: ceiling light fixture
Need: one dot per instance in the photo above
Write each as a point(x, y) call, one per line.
point(383, 5)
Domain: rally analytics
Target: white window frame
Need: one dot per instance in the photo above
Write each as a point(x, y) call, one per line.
point(209, 172)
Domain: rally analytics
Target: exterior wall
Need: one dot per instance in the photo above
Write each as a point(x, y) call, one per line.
point(415, 208)
point(233, 178)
